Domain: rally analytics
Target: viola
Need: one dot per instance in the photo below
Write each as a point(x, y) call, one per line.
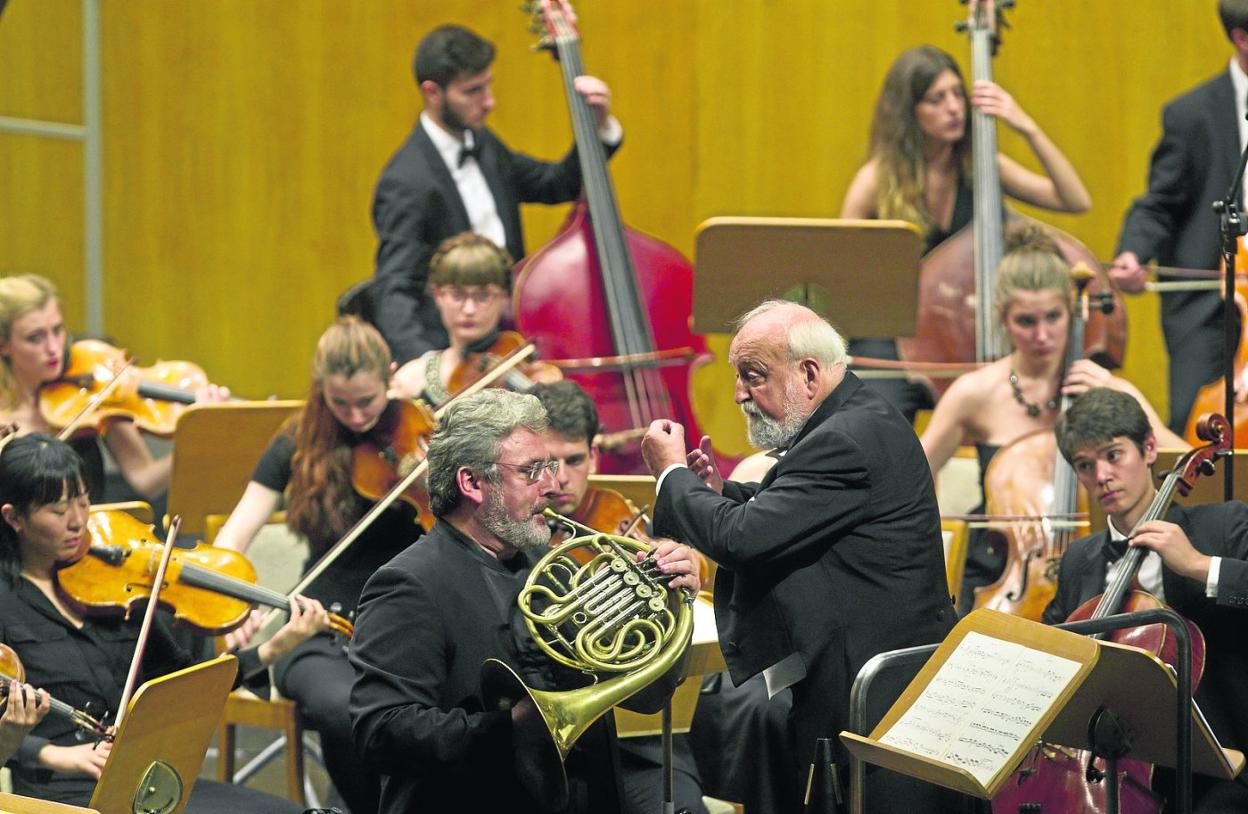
point(153, 397)
point(477, 363)
point(608, 305)
point(1053, 778)
point(392, 450)
point(607, 511)
point(956, 320)
point(1029, 478)
point(211, 589)
point(11, 669)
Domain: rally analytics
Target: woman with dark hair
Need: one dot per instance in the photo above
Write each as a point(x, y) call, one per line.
point(308, 465)
point(919, 169)
point(83, 660)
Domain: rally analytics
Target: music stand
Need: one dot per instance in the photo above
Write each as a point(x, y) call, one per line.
point(163, 739)
point(215, 449)
point(862, 275)
point(17, 804)
point(1133, 686)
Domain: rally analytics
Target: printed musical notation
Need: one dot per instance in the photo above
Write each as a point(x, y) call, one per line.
point(982, 705)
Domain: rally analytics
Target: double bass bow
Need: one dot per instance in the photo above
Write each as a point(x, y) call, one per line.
point(1056, 779)
point(607, 304)
point(955, 321)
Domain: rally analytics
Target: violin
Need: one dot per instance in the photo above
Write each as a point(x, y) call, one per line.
point(389, 452)
point(605, 510)
point(477, 363)
point(153, 397)
point(11, 669)
point(1053, 778)
point(210, 589)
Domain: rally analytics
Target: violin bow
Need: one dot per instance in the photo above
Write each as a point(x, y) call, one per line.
point(148, 615)
point(96, 401)
point(418, 471)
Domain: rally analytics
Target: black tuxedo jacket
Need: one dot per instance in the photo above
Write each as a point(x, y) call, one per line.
point(428, 620)
point(1192, 166)
point(838, 547)
point(417, 205)
point(1220, 530)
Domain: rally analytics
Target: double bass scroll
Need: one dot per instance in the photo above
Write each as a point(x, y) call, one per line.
point(601, 291)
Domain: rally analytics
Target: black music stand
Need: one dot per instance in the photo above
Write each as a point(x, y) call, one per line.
point(862, 275)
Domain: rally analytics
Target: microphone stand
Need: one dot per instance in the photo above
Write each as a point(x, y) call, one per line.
point(1231, 227)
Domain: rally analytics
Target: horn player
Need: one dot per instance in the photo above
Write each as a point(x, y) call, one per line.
point(434, 614)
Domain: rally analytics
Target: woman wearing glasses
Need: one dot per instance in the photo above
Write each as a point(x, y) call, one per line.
point(308, 467)
point(470, 281)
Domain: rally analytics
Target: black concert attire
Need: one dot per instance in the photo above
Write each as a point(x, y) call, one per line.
point(428, 621)
point(1192, 166)
point(417, 205)
point(907, 396)
point(743, 745)
point(317, 675)
point(1218, 530)
point(834, 557)
point(86, 668)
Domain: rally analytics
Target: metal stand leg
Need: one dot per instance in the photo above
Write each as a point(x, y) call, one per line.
point(669, 794)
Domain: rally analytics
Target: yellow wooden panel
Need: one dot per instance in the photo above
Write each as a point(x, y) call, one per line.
point(243, 139)
point(41, 60)
point(41, 214)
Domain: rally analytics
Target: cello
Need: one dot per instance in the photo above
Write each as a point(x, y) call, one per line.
point(1029, 478)
point(1054, 778)
point(955, 321)
point(607, 304)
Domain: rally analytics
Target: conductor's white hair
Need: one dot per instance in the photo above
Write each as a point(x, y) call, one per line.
point(808, 338)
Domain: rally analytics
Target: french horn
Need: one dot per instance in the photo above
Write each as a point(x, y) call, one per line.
point(590, 606)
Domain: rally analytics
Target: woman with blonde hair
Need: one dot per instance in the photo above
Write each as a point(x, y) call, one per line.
point(1022, 391)
point(34, 351)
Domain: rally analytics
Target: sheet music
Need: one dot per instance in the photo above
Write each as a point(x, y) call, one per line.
point(981, 704)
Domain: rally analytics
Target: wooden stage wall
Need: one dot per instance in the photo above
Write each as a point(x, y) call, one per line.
point(242, 139)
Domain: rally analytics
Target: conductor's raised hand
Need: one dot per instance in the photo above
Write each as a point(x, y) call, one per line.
point(702, 462)
point(663, 445)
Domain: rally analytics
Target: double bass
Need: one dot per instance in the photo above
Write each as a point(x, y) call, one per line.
point(955, 321)
point(607, 304)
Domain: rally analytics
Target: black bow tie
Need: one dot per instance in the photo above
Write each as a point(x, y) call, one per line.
point(467, 152)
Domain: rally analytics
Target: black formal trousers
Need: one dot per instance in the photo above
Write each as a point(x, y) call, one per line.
point(1173, 223)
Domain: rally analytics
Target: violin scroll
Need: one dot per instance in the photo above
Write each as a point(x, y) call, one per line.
point(1215, 429)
